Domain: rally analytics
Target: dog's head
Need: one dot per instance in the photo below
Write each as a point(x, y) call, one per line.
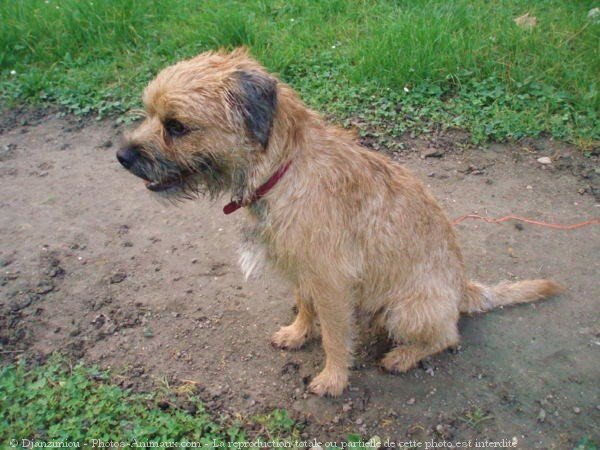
point(206, 119)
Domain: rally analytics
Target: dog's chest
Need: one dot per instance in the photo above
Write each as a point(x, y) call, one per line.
point(253, 256)
point(253, 250)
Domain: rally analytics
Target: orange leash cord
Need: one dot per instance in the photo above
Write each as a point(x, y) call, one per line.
point(556, 226)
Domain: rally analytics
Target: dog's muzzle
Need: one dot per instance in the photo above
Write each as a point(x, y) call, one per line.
point(169, 175)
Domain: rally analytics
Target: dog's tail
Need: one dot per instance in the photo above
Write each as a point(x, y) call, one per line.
point(479, 298)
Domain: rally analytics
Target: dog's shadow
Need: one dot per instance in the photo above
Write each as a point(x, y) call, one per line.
point(371, 343)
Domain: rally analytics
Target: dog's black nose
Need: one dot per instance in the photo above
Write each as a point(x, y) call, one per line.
point(127, 156)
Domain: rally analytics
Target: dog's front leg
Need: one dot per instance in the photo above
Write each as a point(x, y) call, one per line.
point(301, 330)
point(334, 312)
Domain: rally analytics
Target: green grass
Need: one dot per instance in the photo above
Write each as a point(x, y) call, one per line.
point(464, 63)
point(58, 402)
point(475, 417)
point(586, 444)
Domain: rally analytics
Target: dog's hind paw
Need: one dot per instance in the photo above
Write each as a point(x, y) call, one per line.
point(399, 360)
point(330, 383)
point(290, 337)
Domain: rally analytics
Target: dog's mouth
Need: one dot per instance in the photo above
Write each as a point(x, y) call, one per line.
point(169, 183)
point(166, 177)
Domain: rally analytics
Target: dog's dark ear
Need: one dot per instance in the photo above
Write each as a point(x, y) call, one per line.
point(257, 102)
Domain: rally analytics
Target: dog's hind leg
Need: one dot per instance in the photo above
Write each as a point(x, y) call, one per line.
point(301, 330)
point(405, 357)
point(424, 326)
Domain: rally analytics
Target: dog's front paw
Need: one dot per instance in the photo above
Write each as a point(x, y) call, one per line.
point(329, 382)
point(291, 337)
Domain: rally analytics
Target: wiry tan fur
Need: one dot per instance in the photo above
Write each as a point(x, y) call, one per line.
point(347, 226)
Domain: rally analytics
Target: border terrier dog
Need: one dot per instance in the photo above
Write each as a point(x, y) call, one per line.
point(351, 229)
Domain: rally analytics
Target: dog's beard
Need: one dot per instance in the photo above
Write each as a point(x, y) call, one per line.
point(202, 176)
point(197, 176)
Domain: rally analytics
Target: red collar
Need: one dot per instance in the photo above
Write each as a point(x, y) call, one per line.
point(260, 192)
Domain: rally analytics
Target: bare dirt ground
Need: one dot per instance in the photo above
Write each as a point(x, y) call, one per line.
point(93, 266)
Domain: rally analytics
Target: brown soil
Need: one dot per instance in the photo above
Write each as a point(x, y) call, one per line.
point(93, 266)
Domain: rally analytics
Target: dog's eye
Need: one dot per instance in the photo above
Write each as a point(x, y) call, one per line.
point(175, 128)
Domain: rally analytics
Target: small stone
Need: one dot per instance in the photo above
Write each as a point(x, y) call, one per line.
point(541, 415)
point(4, 262)
point(99, 320)
point(21, 302)
point(433, 153)
point(444, 431)
point(44, 287)
point(519, 226)
point(565, 162)
point(190, 408)
point(117, 277)
point(137, 371)
point(411, 401)
point(148, 333)
point(577, 410)
point(544, 160)
point(7, 151)
point(529, 187)
point(215, 391)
